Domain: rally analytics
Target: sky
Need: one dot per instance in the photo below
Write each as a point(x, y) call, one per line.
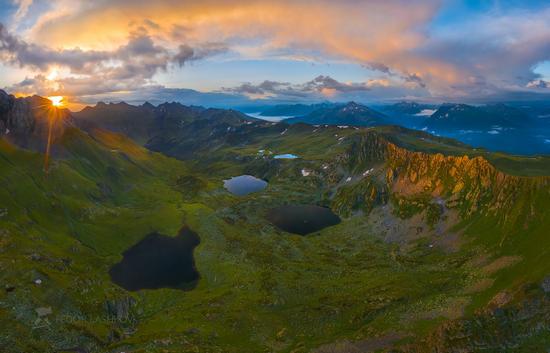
point(251, 52)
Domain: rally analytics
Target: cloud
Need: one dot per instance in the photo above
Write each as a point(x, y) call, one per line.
point(492, 52)
point(127, 67)
point(322, 87)
point(538, 84)
point(22, 10)
point(268, 89)
point(16, 51)
point(321, 83)
point(375, 33)
point(123, 43)
point(187, 53)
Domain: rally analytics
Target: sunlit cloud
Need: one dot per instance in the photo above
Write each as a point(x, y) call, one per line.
point(22, 10)
point(95, 48)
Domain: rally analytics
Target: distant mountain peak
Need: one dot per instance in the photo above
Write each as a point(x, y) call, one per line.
point(452, 116)
point(351, 113)
point(353, 106)
point(148, 105)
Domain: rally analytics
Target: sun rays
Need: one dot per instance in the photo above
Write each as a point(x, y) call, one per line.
point(53, 115)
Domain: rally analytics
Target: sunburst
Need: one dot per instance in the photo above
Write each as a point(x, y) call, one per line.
point(57, 101)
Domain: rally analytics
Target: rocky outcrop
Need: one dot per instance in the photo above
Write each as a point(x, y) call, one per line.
point(367, 149)
point(120, 309)
point(470, 185)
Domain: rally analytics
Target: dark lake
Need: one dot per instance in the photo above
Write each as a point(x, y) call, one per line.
point(302, 219)
point(244, 185)
point(158, 261)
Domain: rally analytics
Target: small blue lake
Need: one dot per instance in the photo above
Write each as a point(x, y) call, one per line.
point(286, 156)
point(244, 184)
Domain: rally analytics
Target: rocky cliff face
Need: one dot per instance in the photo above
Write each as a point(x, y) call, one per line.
point(471, 185)
point(25, 121)
point(468, 185)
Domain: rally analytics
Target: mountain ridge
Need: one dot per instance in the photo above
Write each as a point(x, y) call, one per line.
point(350, 113)
point(463, 116)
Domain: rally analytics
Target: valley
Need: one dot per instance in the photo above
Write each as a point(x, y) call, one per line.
point(427, 244)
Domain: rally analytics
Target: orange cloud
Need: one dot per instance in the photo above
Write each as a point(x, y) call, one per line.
point(360, 31)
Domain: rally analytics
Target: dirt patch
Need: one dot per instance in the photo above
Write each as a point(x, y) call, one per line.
point(500, 263)
point(479, 286)
point(371, 345)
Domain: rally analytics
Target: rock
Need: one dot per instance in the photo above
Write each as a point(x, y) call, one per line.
point(192, 331)
point(35, 257)
point(45, 311)
point(500, 299)
point(120, 309)
point(38, 282)
point(6, 102)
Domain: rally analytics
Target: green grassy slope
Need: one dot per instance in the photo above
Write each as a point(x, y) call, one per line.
point(390, 274)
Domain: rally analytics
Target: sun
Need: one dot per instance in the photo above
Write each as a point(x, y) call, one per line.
point(57, 101)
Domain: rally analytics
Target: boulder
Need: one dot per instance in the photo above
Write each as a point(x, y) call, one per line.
point(45, 311)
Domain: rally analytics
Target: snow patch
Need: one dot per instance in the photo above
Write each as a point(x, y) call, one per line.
point(367, 172)
point(425, 112)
